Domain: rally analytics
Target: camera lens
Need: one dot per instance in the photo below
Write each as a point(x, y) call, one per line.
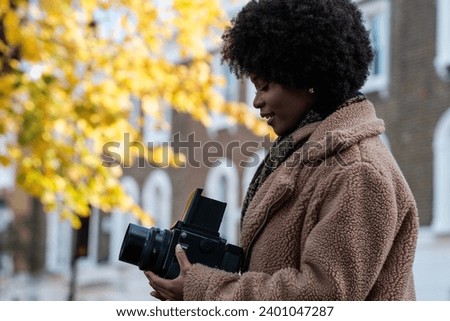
point(155, 251)
point(133, 243)
point(146, 248)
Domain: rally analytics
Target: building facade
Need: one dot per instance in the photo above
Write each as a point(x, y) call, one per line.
point(413, 96)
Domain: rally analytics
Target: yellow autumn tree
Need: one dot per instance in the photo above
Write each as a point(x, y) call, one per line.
point(68, 69)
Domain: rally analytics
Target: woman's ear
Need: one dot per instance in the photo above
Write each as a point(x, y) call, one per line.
point(312, 95)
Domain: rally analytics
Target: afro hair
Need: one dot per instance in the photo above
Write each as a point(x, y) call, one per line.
point(320, 44)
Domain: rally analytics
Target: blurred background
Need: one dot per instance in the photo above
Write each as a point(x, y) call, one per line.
point(97, 98)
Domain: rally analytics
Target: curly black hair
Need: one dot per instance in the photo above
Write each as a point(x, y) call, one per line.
point(320, 44)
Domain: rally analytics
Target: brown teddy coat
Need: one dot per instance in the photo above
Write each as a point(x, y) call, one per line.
point(336, 221)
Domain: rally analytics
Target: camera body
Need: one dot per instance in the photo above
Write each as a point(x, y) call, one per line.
point(197, 232)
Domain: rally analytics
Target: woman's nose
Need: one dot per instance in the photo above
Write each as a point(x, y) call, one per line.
point(258, 102)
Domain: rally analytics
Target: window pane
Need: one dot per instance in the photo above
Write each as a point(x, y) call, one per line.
point(376, 30)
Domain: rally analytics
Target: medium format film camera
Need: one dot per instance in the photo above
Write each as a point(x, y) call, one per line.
point(197, 232)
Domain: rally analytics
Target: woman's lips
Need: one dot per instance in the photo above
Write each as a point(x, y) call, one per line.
point(269, 117)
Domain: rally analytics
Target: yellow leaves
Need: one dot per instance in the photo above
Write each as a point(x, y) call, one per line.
point(203, 71)
point(88, 5)
point(15, 152)
point(197, 22)
point(67, 93)
point(8, 82)
point(4, 160)
point(4, 5)
point(52, 7)
point(11, 21)
point(17, 35)
point(151, 106)
point(30, 50)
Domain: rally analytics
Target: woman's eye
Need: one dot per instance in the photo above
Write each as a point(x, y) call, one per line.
point(264, 87)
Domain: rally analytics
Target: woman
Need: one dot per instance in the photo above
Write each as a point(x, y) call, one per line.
point(328, 215)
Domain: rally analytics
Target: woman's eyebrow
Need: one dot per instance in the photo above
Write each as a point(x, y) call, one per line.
point(261, 84)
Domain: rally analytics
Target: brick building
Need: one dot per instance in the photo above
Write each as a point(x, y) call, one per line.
point(415, 94)
point(410, 88)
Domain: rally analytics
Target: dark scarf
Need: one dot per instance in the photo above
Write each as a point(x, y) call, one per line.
point(281, 149)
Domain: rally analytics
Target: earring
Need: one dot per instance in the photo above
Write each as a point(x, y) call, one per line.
point(311, 90)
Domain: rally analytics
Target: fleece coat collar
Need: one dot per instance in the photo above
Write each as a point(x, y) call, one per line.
point(326, 139)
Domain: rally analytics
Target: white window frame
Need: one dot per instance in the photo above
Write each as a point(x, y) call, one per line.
point(379, 83)
point(229, 91)
point(442, 59)
point(441, 176)
point(118, 221)
point(7, 173)
point(6, 261)
point(58, 241)
point(93, 240)
point(158, 180)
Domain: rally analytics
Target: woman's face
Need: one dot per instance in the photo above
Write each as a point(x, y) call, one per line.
point(283, 107)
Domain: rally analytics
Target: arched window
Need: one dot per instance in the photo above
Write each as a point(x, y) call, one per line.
point(119, 221)
point(441, 175)
point(157, 198)
point(377, 16)
point(222, 184)
point(6, 260)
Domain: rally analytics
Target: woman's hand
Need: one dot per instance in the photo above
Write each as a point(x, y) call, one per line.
point(171, 290)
